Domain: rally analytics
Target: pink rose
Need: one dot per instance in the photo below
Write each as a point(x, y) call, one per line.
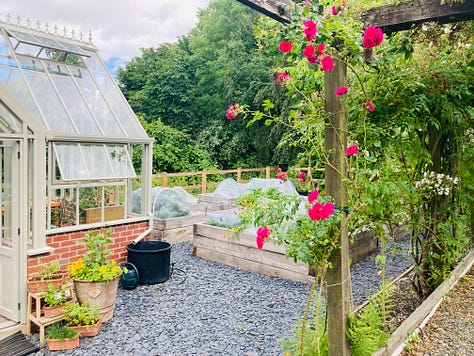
point(370, 107)
point(352, 150)
point(373, 36)
point(310, 30)
point(313, 196)
point(327, 63)
point(285, 46)
point(341, 91)
point(262, 234)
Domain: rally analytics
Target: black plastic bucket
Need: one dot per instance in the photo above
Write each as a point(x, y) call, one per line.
point(152, 260)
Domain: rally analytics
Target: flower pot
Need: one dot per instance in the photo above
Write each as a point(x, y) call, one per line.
point(52, 312)
point(36, 284)
point(101, 294)
point(63, 344)
point(88, 330)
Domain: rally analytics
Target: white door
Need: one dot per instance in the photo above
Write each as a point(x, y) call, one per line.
point(9, 229)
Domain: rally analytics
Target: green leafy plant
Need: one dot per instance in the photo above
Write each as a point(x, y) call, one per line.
point(78, 314)
point(47, 271)
point(367, 330)
point(55, 296)
point(59, 331)
point(95, 266)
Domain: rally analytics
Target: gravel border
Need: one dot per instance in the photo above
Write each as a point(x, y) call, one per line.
point(214, 309)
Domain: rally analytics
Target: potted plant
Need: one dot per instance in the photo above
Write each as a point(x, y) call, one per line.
point(96, 277)
point(54, 300)
point(85, 319)
point(61, 337)
point(49, 273)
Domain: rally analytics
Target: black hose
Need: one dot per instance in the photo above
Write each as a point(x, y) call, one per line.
point(185, 277)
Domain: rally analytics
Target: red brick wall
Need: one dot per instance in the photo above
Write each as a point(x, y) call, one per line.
point(66, 250)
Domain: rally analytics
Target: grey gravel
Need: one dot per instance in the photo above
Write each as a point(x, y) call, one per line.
point(207, 308)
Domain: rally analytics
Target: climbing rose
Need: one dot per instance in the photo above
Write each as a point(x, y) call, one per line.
point(327, 63)
point(341, 91)
point(233, 111)
point(334, 10)
point(262, 234)
point(308, 3)
point(282, 176)
point(308, 51)
point(320, 212)
point(310, 30)
point(313, 196)
point(373, 36)
point(370, 107)
point(352, 150)
point(282, 78)
point(302, 177)
point(328, 209)
point(285, 46)
point(321, 49)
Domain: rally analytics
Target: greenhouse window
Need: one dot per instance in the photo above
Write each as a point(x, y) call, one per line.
point(77, 162)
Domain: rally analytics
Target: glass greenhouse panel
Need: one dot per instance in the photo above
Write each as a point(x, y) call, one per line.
point(11, 78)
point(88, 162)
point(121, 162)
point(54, 112)
point(78, 111)
point(70, 162)
point(11, 122)
point(108, 123)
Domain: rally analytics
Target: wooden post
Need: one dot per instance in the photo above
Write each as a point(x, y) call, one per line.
point(164, 179)
point(267, 172)
point(338, 277)
point(239, 175)
point(203, 182)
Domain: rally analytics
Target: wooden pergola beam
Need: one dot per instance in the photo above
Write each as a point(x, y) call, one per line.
point(403, 16)
point(276, 9)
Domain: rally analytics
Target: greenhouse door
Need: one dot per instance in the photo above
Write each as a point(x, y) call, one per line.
point(9, 229)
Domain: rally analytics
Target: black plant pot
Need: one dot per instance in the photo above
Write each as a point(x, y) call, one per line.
point(283, 166)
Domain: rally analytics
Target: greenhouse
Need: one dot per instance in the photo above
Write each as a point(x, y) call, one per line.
point(68, 137)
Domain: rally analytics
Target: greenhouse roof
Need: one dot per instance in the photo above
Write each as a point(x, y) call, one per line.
point(66, 87)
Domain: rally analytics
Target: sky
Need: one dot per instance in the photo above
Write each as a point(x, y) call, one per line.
point(119, 27)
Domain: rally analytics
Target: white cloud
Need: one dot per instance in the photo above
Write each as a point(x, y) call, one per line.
point(119, 27)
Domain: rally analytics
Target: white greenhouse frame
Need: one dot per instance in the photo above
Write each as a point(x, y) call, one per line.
point(75, 130)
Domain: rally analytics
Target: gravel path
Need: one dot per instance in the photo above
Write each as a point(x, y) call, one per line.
point(450, 331)
point(216, 310)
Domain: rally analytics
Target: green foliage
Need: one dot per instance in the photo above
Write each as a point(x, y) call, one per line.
point(55, 296)
point(366, 332)
point(78, 314)
point(60, 331)
point(286, 216)
point(315, 341)
point(47, 270)
point(174, 150)
point(95, 266)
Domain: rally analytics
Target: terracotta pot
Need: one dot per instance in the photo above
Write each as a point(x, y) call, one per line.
point(36, 284)
point(87, 330)
point(63, 344)
point(52, 312)
point(100, 294)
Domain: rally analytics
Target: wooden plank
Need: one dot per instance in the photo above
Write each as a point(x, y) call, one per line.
point(93, 215)
point(178, 222)
point(403, 16)
point(245, 239)
point(251, 265)
point(174, 236)
point(276, 9)
point(263, 256)
point(426, 308)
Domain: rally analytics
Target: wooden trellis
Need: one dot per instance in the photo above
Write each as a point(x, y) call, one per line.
point(390, 18)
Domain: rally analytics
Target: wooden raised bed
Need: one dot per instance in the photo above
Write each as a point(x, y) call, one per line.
point(176, 230)
point(212, 202)
point(219, 245)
